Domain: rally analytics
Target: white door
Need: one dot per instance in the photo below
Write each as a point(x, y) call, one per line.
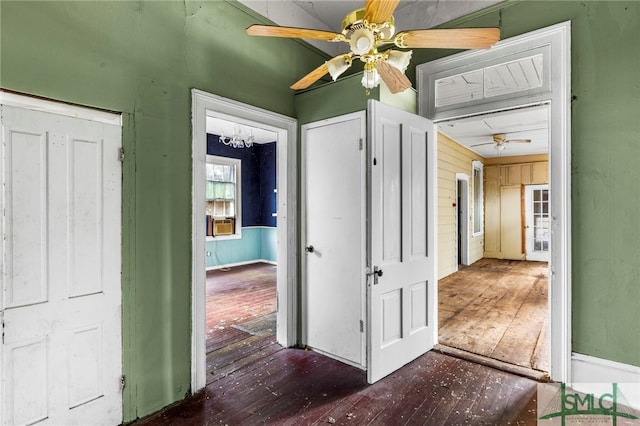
point(537, 233)
point(61, 353)
point(402, 286)
point(334, 235)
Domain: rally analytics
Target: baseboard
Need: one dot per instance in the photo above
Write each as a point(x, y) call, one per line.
point(248, 262)
point(588, 373)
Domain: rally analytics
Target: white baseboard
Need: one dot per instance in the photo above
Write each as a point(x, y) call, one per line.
point(588, 372)
point(249, 262)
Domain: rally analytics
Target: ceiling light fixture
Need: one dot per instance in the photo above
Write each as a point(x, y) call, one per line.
point(238, 140)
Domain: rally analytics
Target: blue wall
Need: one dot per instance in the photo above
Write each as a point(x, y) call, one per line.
point(258, 181)
point(257, 243)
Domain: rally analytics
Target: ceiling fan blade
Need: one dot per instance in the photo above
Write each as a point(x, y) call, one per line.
point(395, 79)
point(482, 144)
point(454, 38)
point(291, 32)
point(311, 78)
point(518, 141)
point(379, 11)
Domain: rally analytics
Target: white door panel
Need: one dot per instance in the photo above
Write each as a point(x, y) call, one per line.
point(401, 297)
point(334, 225)
point(62, 349)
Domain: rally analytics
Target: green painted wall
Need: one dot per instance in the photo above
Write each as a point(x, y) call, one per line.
point(605, 150)
point(142, 58)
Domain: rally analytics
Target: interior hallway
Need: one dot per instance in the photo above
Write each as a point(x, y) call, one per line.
point(499, 309)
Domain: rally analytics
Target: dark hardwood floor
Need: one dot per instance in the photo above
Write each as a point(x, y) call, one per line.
point(498, 309)
point(253, 380)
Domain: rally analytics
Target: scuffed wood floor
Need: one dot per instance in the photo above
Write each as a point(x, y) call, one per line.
point(253, 380)
point(241, 321)
point(498, 309)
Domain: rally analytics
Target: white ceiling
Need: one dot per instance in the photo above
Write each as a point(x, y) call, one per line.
point(528, 123)
point(328, 14)
point(217, 126)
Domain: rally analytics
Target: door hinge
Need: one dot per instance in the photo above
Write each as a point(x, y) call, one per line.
point(2, 319)
point(360, 144)
point(121, 155)
point(361, 326)
point(123, 382)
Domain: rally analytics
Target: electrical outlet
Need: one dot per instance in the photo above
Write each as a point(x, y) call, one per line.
point(208, 254)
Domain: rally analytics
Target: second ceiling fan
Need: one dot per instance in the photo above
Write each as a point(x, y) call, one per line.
point(367, 30)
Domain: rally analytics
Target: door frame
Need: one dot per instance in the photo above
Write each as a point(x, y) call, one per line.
point(51, 106)
point(209, 105)
point(556, 41)
point(462, 209)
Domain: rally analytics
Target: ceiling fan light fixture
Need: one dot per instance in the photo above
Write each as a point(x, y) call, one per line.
point(362, 41)
point(399, 59)
point(500, 147)
point(370, 78)
point(338, 65)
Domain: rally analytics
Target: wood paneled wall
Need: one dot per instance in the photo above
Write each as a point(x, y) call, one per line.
point(453, 158)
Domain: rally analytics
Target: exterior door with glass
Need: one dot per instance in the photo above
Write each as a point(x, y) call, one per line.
point(537, 234)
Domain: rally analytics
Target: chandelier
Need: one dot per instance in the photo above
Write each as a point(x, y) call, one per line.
point(238, 139)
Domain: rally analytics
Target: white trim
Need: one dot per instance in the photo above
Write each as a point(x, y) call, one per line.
point(464, 206)
point(247, 262)
point(60, 108)
point(588, 370)
point(205, 104)
point(555, 39)
point(475, 164)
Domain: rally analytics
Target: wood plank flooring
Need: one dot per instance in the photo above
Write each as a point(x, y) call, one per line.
point(253, 380)
point(241, 317)
point(497, 308)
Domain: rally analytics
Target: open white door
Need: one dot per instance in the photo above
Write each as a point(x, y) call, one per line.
point(61, 352)
point(402, 284)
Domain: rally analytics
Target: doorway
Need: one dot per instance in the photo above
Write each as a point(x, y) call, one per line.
point(497, 305)
point(548, 51)
point(241, 241)
point(206, 105)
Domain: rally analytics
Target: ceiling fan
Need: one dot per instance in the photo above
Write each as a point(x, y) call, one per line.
point(500, 139)
point(367, 30)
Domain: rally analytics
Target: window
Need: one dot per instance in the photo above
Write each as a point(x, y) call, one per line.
point(223, 196)
point(478, 205)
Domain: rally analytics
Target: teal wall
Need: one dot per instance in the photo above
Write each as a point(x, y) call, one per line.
point(605, 151)
point(257, 243)
point(143, 58)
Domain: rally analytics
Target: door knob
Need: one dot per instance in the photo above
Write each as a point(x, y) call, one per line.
point(309, 249)
point(375, 273)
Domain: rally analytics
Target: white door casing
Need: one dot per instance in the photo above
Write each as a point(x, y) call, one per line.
point(61, 354)
point(334, 231)
point(462, 219)
point(536, 209)
point(402, 282)
point(554, 44)
point(206, 104)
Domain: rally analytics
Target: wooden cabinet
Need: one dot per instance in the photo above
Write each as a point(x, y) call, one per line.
point(497, 243)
